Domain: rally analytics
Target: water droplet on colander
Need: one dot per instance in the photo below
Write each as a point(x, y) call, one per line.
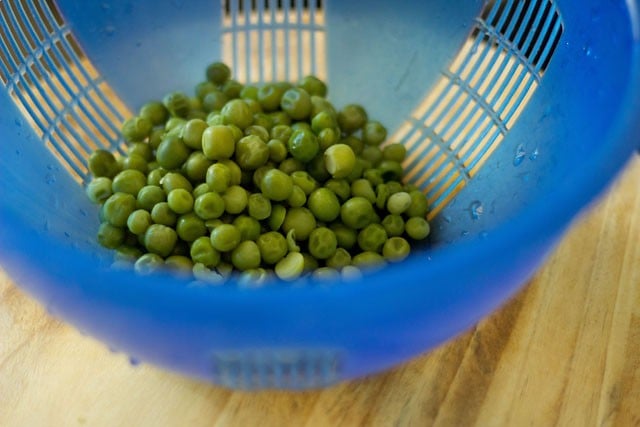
point(66, 234)
point(534, 154)
point(464, 233)
point(587, 50)
point(521, 153)
point(83, 212)
point(447, 219)
point(49, 178)
point(476, 209)
point(18, 122)
point(133, 361)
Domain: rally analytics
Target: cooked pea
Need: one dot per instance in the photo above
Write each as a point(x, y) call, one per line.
point(196, 166)
point(273, 247)
point(200, 190)
point(249, 92)
point(325, 273)
point(177, 103)
point(246, 255)
point(305, 181)
point(138, 221)
point(373, 133)
point(277, 150)
point(393, 225)
point(99, 189)
point(296, 102)
point(356, 212)
point(303, 145)
point(155, 112)
point(419, 204)
point(110, 236)
point(251, 152)
point(277, 185)
point(225, 237)
point(214, 100)
point(324, 204)
point(135, 162)
point(352, 117)
point(179, 266)
point(276, 219)
point(417, 228)
point(173, 180)
point(136, 129)
point(350, 273)
point(269, 96)
point(339, 160)
point(238, 113)
point(347, 237)
point(209, 206)
point(292, 245)
point(190, 227)
point(162, 214)
point(301, 220)
point(203, 252)
point(234, 169)
point(232, 89)
point(160, 239)
point(258, 131)
point(218, 142)
point(218, 177)
point(103, 163)
point(327, 137)
point(297, 198)
point(259, 206)
point(340, 258)
point(203, 88)
point(155, 137)
point(206, 275)
point(313, 85)
point(396, 249)
point(322, 243)
point(129, 181)
point(172, 152)
point(235, 199)
point(218, 73)
point(281, 132)
point(248, 227)
point(341, 187)
point(319, 104)
point(372, 237)
point(148, 263)
point(362, 188)
point(398, 203)
point(368, 260)
point(290, 267)
point(149, 196)
point(395, 152)
point(155, 176)
point(118, 207)
point(391, 170)
point(371, 153)
point(317, 168)
point(291, 165)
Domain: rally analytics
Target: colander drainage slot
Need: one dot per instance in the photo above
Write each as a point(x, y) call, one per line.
point(57, 89)
point(462, 120)
point(274, 29)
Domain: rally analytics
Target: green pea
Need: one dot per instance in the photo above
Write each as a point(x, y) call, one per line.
point(323, 120)
point(324, 204)
point(177, 103)
point(135, 162)
point(162, 214)
point(149, 196)
point(218, 142)
point(138, 221)
point(179, 266)
point(296, 102)
point(155, 112)
point(419, 204)
point(203, 252)
point(238, 113)
point(103, 163)
point(155, 176)
point(258, 131)
point(269, 96)
point(136, 129)
point(254, 106)
point(249, 92)
point(248, 227)
point(374, 176)
point(196, 166)
point(155, 137)
point(354, 142)
point(297, 198)
point(160, 239)
point(317, 169)
point(280, 118)
point(340, 258)
point(277, 150)
point(395, 152)
point(259, 206)
point(225, 237)
point(372, 237)
point(362, 188)
point(99, 189)
point(276, 219)
point(325, 273)
point(313, 85)
point(303, 145)
point(398, 203)
point(396, 249)
point(273, 247)
point(309, 263)
point(276, 185)
point(118, 207)
point(339, 160)
point(173, 180)
point(263, 120)
point(373, 133)
point(393, 225)
point(148, 264)
point(301, 220)
point(327, 137)
point(141, 149)
point(305, 181)
point(319, 104)
point(234, 169)
point(251, 152)
point(180, 201)
point(352, 117)
point(209, 206)
point(291, 165)
point(235, 199)
point(340, 187)
point(129, 181)
point(232, 88)
point(200, 190)
point(218, 73)
point(110, 236)
point(172, 152)
point(368, 260)
point(290, 267)
point(203, 88)
point(356, 212)
point(417, 228)
point(390, 170)
point(206, 275)
point(218, 177)
point(281, 132)
point(190, 227)
point(322, 243)
point(214, 100)
point(246, 255)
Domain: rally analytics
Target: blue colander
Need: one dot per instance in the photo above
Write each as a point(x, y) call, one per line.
point(515, 115)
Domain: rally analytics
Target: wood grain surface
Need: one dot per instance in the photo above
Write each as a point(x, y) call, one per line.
point(565, 351)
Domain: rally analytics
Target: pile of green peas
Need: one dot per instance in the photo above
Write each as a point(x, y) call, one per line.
point(259, 181)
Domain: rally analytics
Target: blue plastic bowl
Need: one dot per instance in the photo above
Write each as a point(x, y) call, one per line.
point(516, 114)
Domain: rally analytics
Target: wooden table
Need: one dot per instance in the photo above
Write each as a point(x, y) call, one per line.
point(565, 351)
